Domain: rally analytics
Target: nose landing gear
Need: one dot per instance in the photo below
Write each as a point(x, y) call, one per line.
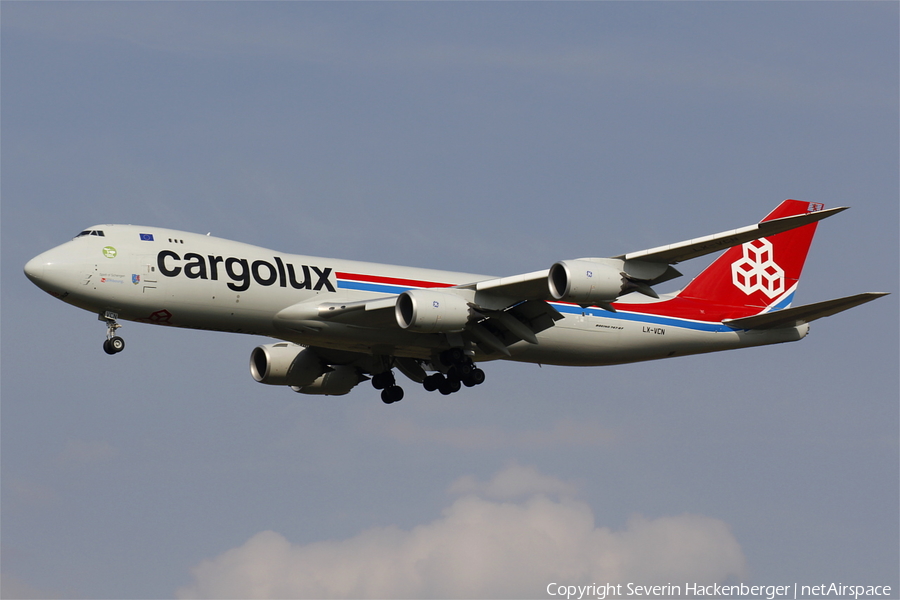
point(113, 344)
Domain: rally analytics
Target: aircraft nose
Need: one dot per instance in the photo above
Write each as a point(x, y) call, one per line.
point(34, 269)
point(55, 271)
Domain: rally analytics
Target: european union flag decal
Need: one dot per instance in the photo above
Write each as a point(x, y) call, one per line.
point(146, 237)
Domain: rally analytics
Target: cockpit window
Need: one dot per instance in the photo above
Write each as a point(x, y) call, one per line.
point(90, 232)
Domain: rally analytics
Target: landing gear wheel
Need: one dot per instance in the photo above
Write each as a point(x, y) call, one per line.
point(433, 382)
point(383, 380)
point(450, 385)
point(475, 377)
point(392, 394)
point(114, 345)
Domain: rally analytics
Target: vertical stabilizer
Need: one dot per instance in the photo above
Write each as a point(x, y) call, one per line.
point(761, 274)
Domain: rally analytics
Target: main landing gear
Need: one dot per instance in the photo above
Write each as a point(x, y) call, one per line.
point(462, 372)
point(113, 344)
point(390, 391)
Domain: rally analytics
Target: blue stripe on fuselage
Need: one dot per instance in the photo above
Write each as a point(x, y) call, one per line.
point(642, 318)
point(372, 287)
point(658, 319)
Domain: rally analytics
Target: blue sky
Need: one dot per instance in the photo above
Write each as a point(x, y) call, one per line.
point(490, 138)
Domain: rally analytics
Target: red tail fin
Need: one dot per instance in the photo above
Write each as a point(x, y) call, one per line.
point(760, 274)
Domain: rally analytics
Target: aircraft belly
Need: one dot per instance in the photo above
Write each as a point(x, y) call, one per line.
point(577, 341)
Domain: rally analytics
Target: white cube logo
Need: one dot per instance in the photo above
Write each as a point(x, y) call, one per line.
point(757, 271)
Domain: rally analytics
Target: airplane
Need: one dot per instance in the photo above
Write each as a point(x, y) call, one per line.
point(340, 322)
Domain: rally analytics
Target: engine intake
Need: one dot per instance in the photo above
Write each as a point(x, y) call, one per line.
point(285, 364)
point(428, 311)
point(585, 282)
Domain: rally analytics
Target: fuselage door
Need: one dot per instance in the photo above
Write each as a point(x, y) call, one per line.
point(148, 279)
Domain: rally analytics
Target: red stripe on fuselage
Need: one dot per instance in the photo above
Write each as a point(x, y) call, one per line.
point(392, 280)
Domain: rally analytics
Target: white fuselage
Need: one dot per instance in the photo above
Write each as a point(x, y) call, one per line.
point(167, 277)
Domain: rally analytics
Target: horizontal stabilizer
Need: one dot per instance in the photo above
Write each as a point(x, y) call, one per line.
point(791, 317)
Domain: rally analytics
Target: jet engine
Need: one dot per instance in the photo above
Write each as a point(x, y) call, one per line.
point(285, 364)
point(428, 311)
point(336, 382)
point(586, 282)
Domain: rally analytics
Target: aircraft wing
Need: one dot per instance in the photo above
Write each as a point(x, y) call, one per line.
point(651, 266)
point(676, 253)
point(376, 312)
point(531, 286)
point(791, 317)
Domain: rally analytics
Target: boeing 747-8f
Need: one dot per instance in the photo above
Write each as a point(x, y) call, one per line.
point(343, 322)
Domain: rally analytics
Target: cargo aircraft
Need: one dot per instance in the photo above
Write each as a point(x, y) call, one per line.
point(342, 322)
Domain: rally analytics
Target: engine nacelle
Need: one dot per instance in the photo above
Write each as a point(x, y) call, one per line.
point(585, 282)
point(285, 364)
point(337, 382)
point(428, 311)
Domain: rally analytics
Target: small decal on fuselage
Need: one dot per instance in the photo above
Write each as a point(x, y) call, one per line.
point(160, 317)
point(242, 272)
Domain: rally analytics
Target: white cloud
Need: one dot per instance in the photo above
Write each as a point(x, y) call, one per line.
point(479, 547)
